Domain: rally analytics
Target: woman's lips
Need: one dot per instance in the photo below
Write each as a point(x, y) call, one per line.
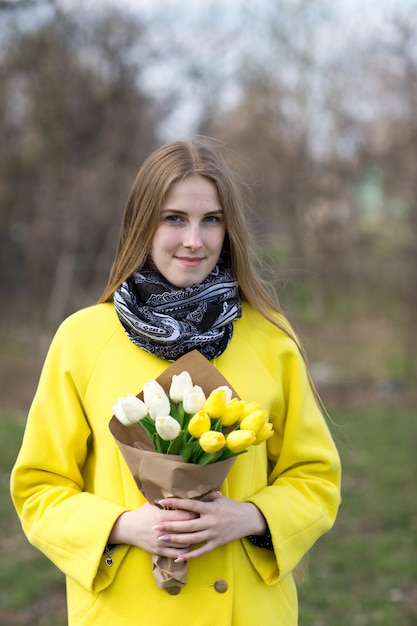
point(190, 261)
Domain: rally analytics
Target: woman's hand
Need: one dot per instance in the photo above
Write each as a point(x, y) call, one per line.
point(213, 522)
point(141, 528)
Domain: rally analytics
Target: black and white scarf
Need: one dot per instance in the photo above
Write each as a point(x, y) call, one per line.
point(170, 321)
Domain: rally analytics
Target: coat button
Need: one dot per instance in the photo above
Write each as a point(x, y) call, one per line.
point(221, 586)
point(173, 591)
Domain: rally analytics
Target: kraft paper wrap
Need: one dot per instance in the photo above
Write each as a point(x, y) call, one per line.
point(161, 476)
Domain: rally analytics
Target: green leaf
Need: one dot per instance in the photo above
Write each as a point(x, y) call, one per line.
point(176, 444)
point(191, 450)
point(149, 425)
point(207, 458)
point(217, 426)
point(159, 444)
point(181, 414)
point(228, 454)
point(173, 411)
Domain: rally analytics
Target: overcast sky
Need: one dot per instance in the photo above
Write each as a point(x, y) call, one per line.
point(348, 29)
point(360, 7)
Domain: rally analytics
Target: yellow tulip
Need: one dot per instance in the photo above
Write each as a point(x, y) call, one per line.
point(212, 441)
point(199, 424)
point(215, 403)
point(249, 407)
point(239, 440)
point(254, 421)
point(232, 412)
point(228, 391)
point(264, 433)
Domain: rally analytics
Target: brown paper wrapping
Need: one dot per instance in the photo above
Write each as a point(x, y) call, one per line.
point(161, 476)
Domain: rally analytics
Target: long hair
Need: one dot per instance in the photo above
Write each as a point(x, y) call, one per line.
point(165, 167)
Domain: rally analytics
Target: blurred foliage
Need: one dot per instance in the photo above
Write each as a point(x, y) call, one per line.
point(319, 106)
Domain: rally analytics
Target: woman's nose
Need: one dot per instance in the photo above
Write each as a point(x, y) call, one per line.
point(192, 237)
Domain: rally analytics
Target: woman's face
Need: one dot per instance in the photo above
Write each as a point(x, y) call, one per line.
point(189, 239)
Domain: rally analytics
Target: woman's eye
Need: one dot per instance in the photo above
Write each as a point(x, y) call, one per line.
point(172, 218)
point(212, 218)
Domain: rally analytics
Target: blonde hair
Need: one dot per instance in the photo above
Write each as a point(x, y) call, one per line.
point(165, 167)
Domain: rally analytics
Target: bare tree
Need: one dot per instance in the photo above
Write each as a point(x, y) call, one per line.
point(394, 143)
point(77, 127)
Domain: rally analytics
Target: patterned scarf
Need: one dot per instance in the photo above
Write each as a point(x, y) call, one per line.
point(170, 321)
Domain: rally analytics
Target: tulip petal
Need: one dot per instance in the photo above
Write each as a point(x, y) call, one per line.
point(212, 441)
point(167, 427)
point(179, 384)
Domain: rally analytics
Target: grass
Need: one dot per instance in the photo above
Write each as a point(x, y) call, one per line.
point(362, 573)
point(31, 588)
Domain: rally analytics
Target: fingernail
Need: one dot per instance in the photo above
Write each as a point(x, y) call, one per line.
point(180, 559)
point(158, 527)
point(164, 538)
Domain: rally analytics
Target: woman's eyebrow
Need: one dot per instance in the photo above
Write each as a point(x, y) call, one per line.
point(180, 212)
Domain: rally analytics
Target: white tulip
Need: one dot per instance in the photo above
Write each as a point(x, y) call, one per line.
point(228, 391)
point(193, 400)
point(152, 389)
point(167, 427)
point(156, 399)
point(159, 406)
point(129, 410)
point(180, 383)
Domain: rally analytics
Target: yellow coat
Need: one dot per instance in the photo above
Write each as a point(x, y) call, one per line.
point(70, 482)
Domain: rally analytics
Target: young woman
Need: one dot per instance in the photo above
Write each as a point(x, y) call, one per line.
point(182, 279)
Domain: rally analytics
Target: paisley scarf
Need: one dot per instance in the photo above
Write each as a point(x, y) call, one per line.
point(170, 321)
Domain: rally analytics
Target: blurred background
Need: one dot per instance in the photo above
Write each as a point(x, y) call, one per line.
point(317, 102)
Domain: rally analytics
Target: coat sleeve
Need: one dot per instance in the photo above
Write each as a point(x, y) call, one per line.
point(301, 500)
point(70, 526)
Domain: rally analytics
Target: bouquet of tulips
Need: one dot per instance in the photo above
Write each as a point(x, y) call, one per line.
point(202, 430)
point(180, 437)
